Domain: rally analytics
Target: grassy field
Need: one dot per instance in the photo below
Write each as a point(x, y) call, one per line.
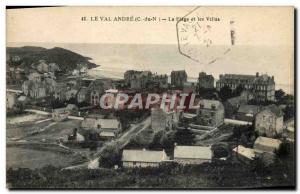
point(24, 118)
point(48, 131)
point(17, 157)
point(27, 128)
point(215, 175)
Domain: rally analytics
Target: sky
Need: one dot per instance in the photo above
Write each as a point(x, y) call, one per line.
point(264, 37)
point(253, 25)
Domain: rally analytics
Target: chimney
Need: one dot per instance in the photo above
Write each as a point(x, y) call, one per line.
point(75, 132)
point(257, 74)
point(273, 77)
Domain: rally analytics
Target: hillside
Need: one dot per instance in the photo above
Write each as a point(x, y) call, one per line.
point(30, 56)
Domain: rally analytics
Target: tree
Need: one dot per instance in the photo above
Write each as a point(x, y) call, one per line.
point(225, 93)
point(283, 150)
point(239, 89)
point(244, 139)
point(236, 132)
point(289, 112)
point(259, 166)
point(136, 142)
point(156, 141)
point(279, 94)
point(110, 156)
point(168, 140)
point(184, 137)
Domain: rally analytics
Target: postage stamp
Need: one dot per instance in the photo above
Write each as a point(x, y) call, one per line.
point(204, 36)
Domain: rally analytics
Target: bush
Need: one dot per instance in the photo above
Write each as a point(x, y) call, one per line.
point(110, 156)
point(283, 150)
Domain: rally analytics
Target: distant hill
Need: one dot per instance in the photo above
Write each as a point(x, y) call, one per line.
point(30, 56)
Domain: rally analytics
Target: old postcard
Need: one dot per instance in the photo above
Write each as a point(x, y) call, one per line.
point(150, 97)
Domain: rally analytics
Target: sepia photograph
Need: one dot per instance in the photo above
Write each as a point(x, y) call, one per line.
point(150, 97)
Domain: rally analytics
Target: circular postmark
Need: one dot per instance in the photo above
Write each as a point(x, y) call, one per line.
point(205, 36)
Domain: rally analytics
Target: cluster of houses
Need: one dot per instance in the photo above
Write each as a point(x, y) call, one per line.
point(81, 70)
point(40, 81)
point(264, 148)
point(212, 113)
point(262, 87)
point(145, 80)
point(182, 155)
point(268, 120)
point(106, 128)
point(81, 90)
point(14, 97)
point(94, 129)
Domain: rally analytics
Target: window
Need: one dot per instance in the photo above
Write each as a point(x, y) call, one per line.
point(270, 119)
point(212, 114)
point(201, 105)
point(213, 106)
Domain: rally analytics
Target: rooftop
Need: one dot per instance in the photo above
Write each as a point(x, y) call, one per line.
point(209, 104)
point(234, 101)
point(248, 109)
point(264, 78)
point(107, 134)
point(22, 98)
point(193, 152)
point(265, 144)
point(109, 123)
point(274, 109)
point(246, 152)
point(189, 115)
point(105, 123)
point(143, 156)
point(111, 91)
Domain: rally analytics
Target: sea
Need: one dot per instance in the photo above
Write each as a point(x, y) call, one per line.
point(115, 59)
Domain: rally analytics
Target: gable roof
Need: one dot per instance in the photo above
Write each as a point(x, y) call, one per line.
point(83, 90)
point(143, 156)
point(208, 104)
point(193, 152)
point(246, 152)
point(188, 115)
point(238, 100)
point(111, 91)
point(59, 110)
point(248, 109)
point(88, 123)
point(72, 91)
point(109, 123)
point(71, 107)
point(266, 144)
point(22, 98)
point(273, 109)
point(105, 123)
point(107, 134)
point(178, 72)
